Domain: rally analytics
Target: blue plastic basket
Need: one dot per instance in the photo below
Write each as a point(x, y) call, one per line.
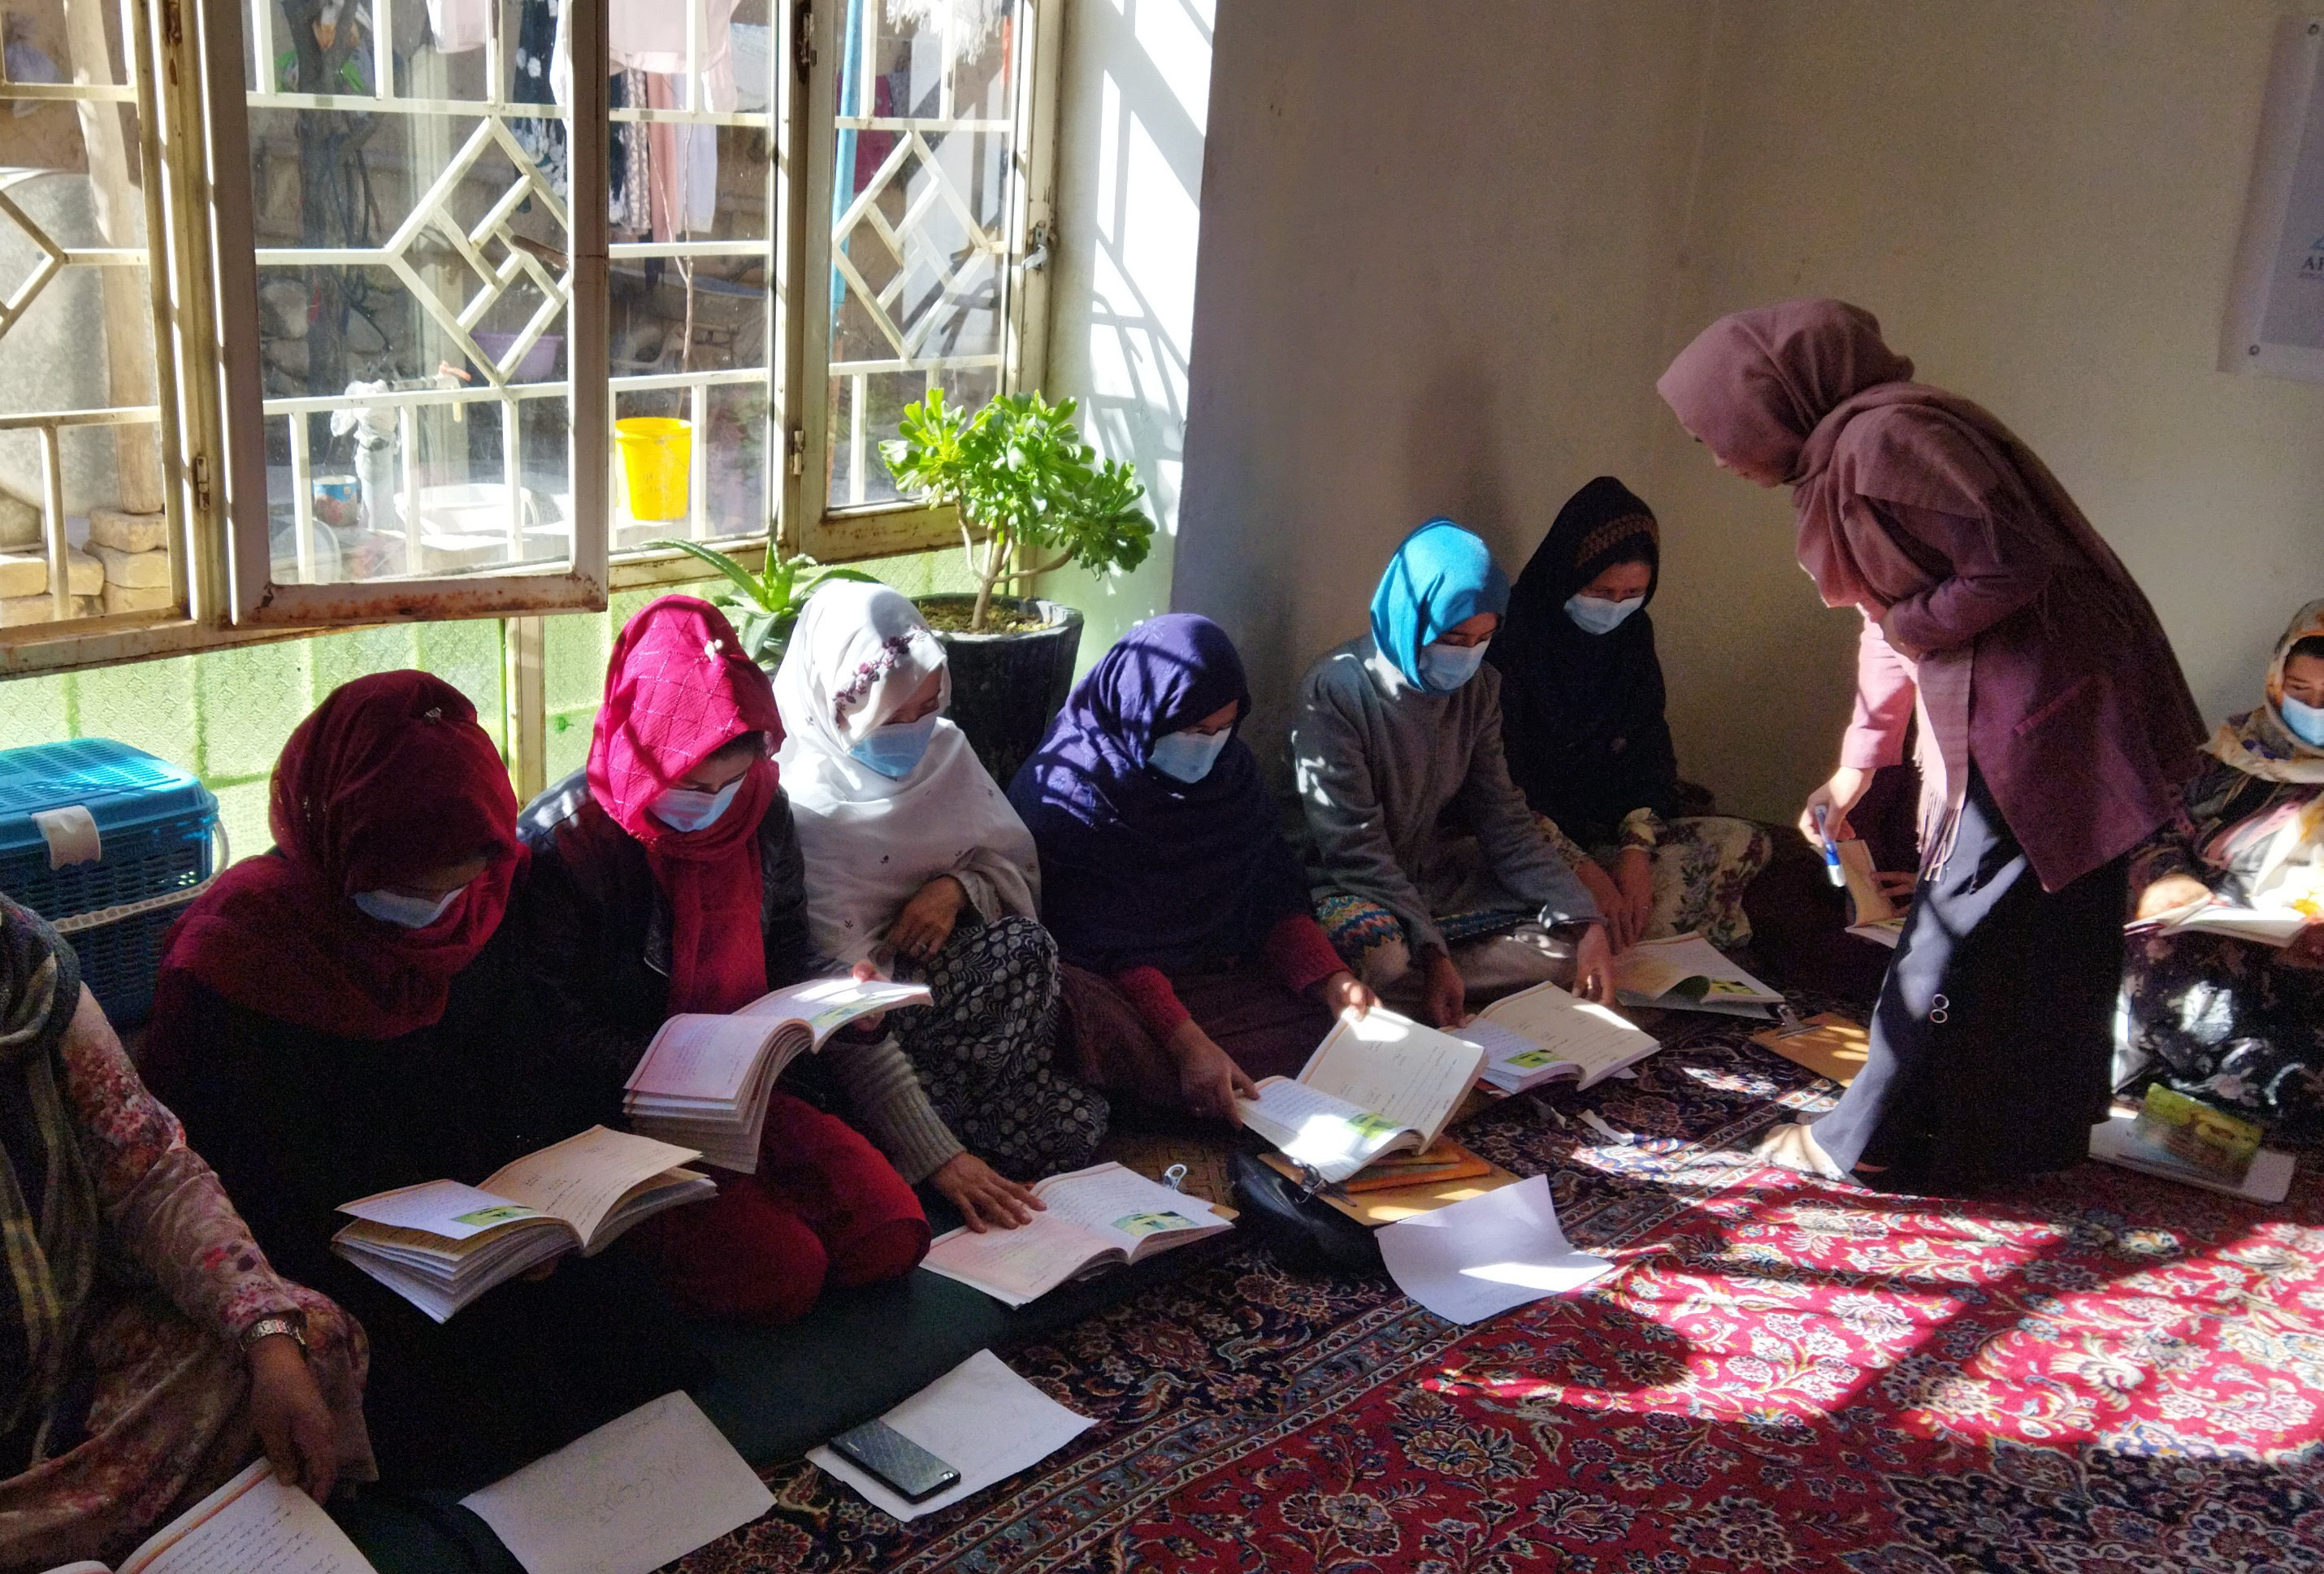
point(156, 823)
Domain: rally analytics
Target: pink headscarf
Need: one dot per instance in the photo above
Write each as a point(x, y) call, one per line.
point(678, 690)
point(1781, 390)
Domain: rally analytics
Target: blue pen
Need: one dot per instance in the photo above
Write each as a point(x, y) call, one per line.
point(1831, 853)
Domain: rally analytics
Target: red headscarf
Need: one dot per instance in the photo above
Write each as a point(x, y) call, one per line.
point(389, 779)
point(678, 690)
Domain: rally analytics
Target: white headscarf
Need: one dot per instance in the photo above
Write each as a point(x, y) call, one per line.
point(870, 841)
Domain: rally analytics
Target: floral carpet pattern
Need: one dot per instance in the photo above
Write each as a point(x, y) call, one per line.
point(2097, 1374)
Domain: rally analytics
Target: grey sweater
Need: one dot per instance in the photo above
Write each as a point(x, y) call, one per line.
point(1380, 762)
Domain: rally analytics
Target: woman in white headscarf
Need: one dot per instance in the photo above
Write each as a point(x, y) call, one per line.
point(917, 863)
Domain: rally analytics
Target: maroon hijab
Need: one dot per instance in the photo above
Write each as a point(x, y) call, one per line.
point(389, 779)
point(1809, 391)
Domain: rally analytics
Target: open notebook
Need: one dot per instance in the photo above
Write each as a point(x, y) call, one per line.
point(1380, 1084)
point(1688, 973)
point(254, 1524)
point(1543, 1034)
point(1097, 1218)
point(704, 1080)
point(2263, 925)
point(440, 1245)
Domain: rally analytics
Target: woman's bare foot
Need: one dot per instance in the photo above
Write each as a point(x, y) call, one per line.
point(1792, 1147)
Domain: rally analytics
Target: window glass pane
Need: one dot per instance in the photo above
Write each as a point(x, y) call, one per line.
point(920, 222)
point(80, 439)
point(691, 187)
point(408, 165)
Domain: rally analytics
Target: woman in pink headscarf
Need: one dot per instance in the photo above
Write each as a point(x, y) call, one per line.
point(2054, 727)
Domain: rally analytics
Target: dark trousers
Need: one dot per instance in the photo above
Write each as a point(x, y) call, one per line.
point(1992, 1038)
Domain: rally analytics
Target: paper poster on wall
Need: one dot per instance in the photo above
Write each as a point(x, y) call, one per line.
point(2275, 311)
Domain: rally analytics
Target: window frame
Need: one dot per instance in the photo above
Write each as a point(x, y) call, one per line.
point(187, 79)
point(807, 522)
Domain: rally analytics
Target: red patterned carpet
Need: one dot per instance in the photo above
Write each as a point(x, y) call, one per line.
point(2102, 1375)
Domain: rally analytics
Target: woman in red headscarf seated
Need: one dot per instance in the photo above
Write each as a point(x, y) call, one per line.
point(346, 1015)
point(666, 878)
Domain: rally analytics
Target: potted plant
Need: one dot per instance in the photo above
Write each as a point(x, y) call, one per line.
point(1033, 498)
point(766, 605)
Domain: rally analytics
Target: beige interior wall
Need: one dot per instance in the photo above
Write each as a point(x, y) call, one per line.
point(2042, 203)
point(1446, 250)
point(1434, 266)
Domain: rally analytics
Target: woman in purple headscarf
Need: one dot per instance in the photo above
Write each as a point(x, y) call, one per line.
point(1193, 961)
point(2054, 727)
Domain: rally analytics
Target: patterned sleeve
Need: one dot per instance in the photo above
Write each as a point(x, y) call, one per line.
point(157, 1194)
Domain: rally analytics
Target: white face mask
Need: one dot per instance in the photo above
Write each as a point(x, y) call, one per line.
point(1445, 668)
point(894, 749)
point(691, 809)
point(405, 912)
point(2306, 721)
point(1187, 756)
point(1595, 615)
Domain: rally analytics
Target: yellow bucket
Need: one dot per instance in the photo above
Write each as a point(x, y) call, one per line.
point(657, 453)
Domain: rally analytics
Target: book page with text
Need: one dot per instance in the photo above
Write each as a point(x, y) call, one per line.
point(1579, 1032)
point(581, 1179)
point(695, 1056)
point(1019, 1265)
point(1392, 1065)
point(254, 1524)
point(828, 1004)
point(442, 1208)
point(1314, 1127)
point(1123, 1207)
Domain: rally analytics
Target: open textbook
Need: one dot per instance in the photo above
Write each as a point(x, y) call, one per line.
point(2264, 926)
point(704, 1080)
point(1095, 1218)
point(1542, 1034)
point(254, 1524)
point(440, 1245)
point(1688, 973)
point(1380, 1084)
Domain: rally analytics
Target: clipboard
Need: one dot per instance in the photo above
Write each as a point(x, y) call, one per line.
point(1833, 1047)
point(1374, 1208)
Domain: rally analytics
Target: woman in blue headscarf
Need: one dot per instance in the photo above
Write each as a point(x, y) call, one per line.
point(1193, 961)
point(1428, 870)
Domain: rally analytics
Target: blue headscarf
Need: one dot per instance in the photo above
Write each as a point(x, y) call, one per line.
point(1137, 867)
point(1442, 576)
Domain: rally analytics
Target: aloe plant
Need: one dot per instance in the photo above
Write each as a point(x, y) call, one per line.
point(1027, 484)
point(767, 604)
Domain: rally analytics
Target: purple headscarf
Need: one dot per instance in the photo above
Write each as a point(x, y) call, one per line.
point(1138, 868)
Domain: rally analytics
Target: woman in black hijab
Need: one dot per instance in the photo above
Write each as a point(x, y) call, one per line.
point(1581, 723)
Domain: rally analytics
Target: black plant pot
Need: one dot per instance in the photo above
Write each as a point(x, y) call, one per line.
point(1006, 687)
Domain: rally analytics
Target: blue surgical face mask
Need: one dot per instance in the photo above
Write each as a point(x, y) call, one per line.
point(2306, 722)
point(405, 912)
point(1187, 756)
point(1596, 615)
point(895, 750)
point(691, 809)
point(1445, 668)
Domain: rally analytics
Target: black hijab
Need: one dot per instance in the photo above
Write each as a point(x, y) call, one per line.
point(1581, 714)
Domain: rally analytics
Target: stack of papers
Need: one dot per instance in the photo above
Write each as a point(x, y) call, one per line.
point(1688, 973)
point(704, 1081)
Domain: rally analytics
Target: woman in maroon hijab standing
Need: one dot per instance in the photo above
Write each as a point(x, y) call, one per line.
point(2054, 727)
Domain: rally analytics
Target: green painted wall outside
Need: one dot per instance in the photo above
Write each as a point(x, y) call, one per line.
point(224, 715)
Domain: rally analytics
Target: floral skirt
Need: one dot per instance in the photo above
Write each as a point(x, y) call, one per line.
point(168, 1420)
point(1701, 867)
point(2229, 1023)
point(987, 1052)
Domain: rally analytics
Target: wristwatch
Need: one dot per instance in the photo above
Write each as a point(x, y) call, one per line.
point(268, 1327)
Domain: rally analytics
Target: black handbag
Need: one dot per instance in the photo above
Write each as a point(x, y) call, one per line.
point(1303, 1232)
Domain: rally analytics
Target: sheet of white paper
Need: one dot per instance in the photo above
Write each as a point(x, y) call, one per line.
point(445, 1208)
point(640, 1491)
point(254, 1524)
point(1652, 968)
point(980, 1418)
point(1469, 1261)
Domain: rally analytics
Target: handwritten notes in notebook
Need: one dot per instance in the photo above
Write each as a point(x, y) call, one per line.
point(640, 1491)
point(254, 1524)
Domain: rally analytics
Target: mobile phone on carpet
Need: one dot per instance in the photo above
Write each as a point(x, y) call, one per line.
point(916, 1474)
